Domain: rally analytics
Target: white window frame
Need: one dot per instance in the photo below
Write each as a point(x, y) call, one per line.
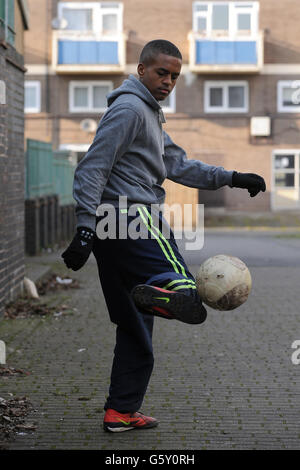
point(295, 171)
point(37, 85)
point(291, 84)
point(172, 108)
point(98, 12)
point(225, 84)
point(89, 85)
point(234, 8)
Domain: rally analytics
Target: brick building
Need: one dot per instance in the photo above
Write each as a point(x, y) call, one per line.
point(236, 103)
point(13, 22)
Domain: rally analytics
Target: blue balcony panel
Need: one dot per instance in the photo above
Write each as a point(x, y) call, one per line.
point(87, 52)
point(245, 52)
point(205, 52)
point(225, 52)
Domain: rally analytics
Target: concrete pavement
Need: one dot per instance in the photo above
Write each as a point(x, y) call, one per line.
point(227, 384)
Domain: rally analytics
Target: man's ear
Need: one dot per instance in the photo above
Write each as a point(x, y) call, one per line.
point(141, 69)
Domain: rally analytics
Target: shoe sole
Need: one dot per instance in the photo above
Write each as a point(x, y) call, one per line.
point(107, 428)
point(180, 306)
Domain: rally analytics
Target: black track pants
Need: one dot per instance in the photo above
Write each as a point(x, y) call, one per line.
point(122, 264)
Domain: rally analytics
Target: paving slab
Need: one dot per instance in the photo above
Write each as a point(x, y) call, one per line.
point(229, 383)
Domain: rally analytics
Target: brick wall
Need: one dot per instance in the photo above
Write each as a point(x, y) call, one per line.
point(11, 175)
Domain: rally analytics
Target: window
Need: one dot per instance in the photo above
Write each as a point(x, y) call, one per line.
point(288, 96)
point(226, 97)
point(225, 19)
point(78, 19)
point(88, 96)
point(169, 104)
point(286, 179)
point(103, 18)
point(220, 18)
point(32, 97)
point(7, 19)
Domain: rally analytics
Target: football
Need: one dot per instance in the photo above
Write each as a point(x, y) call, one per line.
point(223, 282)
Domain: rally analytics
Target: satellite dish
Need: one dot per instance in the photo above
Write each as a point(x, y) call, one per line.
point(88, 125)
point(59, 23)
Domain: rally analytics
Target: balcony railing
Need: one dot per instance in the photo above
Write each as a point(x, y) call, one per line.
point(242, 54)
point(74, 52)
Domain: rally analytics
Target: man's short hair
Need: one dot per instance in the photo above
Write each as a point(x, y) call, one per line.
point(158, 46)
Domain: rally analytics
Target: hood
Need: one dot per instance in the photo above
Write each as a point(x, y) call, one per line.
point(134, 86)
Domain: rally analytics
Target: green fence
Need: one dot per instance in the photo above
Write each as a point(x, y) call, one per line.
point(63, 176)
point(39, 169)
point(49, 172)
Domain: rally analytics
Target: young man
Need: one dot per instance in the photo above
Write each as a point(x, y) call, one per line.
point(131, 156)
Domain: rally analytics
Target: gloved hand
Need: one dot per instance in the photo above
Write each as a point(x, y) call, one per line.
point(77, 253)
point(254, 183)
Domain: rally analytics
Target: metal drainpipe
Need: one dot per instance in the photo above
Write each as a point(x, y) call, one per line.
point(6, 21)
point(47, 67)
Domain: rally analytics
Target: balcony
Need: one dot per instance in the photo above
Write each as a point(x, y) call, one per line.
point(226, 54)
point(88, 53)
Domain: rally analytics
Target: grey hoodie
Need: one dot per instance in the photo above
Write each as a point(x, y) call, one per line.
point(131, 156)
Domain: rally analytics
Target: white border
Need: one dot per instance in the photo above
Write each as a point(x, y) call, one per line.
point(89, 85)
point(286, 84)
point(37, 85)
point(225, 84)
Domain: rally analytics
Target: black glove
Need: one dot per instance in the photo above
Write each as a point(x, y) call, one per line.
point(79, 249)
point(254, 183)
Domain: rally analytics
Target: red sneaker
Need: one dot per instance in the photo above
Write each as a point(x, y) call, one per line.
point(169, 304)
point(119, 422)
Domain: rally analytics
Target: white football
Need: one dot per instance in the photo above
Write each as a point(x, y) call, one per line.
point(223, 282)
